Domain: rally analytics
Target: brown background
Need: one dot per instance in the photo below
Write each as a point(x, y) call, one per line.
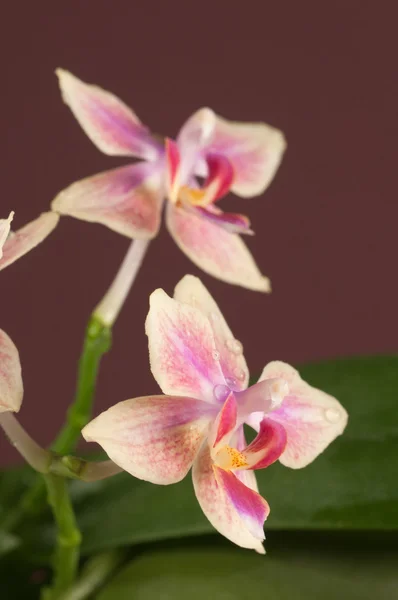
point(324, 72)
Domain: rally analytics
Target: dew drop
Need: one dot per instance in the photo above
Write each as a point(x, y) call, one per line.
point(213, 316)
point(216, 355)
point(332, 415)
point(239, 374)
point(220, 392)
point(234, 346)
point(231, 382)
point(193, 300)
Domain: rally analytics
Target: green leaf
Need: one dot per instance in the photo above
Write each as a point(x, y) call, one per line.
point(8, 542)
point(289, 571)
point(352, 486)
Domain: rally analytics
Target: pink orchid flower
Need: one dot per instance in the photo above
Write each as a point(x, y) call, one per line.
point(13, 245)
point(241, 157)
point(198, 423)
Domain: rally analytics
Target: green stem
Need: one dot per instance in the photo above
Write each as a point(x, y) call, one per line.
point(66, 558)
point(97, 342)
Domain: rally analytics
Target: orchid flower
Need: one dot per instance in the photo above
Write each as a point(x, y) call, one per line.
point(11, 387)
point(13, 245)
point(198, 422)
point(230, 156)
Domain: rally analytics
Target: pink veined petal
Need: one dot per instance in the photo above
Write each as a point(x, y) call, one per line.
point(191, 290)
point(232, 222)
point(236, 511)
point(11, 386)
point(194, 136)
point(154, 438)
point(251, 507)
point(255, 151)
point(128, 200)
point(267, 447)
point(215, 250)
point(312, 419)
point(111, 125)
point(182, 350)
point(27, 238)
point(5, 228)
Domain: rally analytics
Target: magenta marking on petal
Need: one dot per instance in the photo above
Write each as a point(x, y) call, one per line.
point(268, 446)
point(232, 222)
point(173, 158)
point(252, 507)
point(220, 175)
point(226, 419)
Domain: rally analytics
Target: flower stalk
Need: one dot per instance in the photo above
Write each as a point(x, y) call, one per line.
point(36, 456)
point(97, 342)
point(108, 309)
point(66, 557)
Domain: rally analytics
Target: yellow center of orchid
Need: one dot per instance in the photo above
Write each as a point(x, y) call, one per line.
point(230, 458)
point(194, 196)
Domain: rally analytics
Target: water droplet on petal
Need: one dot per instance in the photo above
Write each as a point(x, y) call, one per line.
point(239, 374)
point(216, 355)
point(221, 392)
point(192, 300)
point(234, 346)
point(213, 316)
point(332, 415)
point(231, 382)
point(279, 390)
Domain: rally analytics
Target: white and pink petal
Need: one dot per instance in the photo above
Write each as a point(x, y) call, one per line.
point(235, 510)
point(11, 386)
point(154, 438)
point(5, 228)
point(312, 418)
point(28, 237)
point(218, 252)
point(254, 150)
point(111, 125)
point(194, 136)
point(128, 200)
point(191, 290)
point(182, 351)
